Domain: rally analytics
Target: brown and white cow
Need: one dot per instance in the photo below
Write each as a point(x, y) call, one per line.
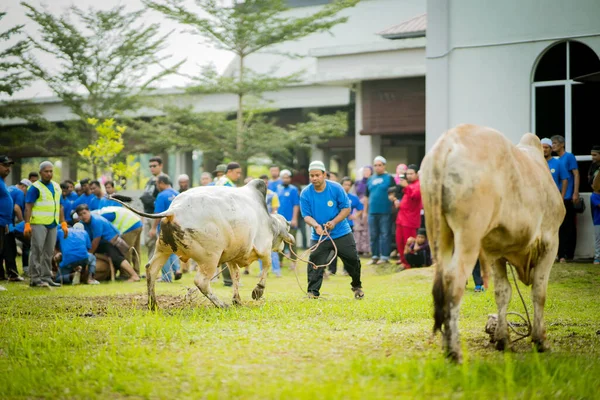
point(489, 199)
point(213, 225)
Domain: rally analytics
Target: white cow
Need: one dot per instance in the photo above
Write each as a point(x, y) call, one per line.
point(489, 199)
point(214, 225)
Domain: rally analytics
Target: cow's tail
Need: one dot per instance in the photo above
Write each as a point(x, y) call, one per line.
point(436, 224)
point(141, 213)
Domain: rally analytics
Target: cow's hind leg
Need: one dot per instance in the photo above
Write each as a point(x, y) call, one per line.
point(235, 276)
point(259, 290)
point(540, 284)
point(207, 266)
point(153, 268)
point(503, 292)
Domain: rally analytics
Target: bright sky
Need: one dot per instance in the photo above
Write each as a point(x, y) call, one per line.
point(181, 45)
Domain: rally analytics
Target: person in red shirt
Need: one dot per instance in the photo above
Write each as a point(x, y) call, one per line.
point(409, 213)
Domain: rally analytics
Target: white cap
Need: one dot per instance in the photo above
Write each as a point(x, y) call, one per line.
point(285, 172)
point(184, 177)
point(316, 165)
point(380, 158)
point(25, 182)
point(45, 164)
point(547, 141)
point(79, 226)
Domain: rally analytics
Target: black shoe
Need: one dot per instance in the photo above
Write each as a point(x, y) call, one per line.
point(178, 276)
point(228, 284)
point(39, 284)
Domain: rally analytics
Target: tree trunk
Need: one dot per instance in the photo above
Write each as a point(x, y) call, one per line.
point(240, 115)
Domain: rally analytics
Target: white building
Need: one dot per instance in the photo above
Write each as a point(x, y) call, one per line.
point(518, 66)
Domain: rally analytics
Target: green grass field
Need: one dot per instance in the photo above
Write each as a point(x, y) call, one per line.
point(101, 342)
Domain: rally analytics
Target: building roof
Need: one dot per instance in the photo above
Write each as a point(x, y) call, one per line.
point(414, 27)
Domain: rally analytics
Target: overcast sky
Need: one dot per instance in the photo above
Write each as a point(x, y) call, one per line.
point(181, 45)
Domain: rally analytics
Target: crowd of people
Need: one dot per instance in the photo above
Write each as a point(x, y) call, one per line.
point(73, 232)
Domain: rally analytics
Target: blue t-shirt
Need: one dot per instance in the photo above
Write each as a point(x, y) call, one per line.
point(95, 203)
point(355, 204)
point(84, 199)
point(72, 196)
point(288, 198)
point(377, 191)
point(111, 217)
point(559, 172)
point(33, 193)
point(75, 247)
point(570, 163)
point(325, 206)
point(595, 202)
point(272, 185)
point(106, 202)
point(100, 227)
point(163, 201)
point(20, 227)
point(18, 197)
point(67, 208)
point(6, 205)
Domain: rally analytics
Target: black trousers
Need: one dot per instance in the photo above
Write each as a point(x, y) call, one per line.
point(333, 266)
point(346, 248)
point(8, 255)
point(567, 234)
point(477, 274)
point(26, 248)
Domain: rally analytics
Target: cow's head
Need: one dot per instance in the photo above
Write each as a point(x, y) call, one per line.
point(281, 232)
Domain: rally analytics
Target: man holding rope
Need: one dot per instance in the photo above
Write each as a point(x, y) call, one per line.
point(325, 207)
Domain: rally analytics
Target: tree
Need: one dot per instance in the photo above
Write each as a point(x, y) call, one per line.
point(108, 60)
point(105, 152)
point(14, 77)
point(246, 28)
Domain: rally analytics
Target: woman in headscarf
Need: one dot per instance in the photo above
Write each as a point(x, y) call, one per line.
point(361, 227)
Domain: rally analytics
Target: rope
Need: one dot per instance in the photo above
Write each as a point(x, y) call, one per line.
point(526, 321)
point(311, 250)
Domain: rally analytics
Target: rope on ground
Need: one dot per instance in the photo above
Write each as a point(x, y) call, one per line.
point(527, 320)
point(323, 237)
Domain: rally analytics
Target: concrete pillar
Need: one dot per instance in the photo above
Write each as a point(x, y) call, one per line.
point(69, 169)
point(367, 147)
point(15, 175)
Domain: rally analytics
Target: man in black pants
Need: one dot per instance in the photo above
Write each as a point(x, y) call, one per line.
point(325, 205)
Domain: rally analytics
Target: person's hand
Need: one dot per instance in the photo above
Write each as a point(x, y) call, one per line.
point(576, 198)
point(329, 225)
point(152, 233)
point(27, 231)
point(403, 182)
point(319, 230)
point(294, 223)
point(397, 203)
point(65, 228)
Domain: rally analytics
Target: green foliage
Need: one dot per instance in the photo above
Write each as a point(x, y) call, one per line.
point(101, 342)
point(105, 151)
point(245, 28)
point(104, 67)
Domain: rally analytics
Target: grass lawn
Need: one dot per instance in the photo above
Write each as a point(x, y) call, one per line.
point(101, 342)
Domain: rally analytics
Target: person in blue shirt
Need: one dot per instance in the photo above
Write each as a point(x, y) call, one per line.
point(595, 206)
point(557, 169)
point(86, 197)
point(71, 195)
point(567, 234)
point(18, 193)
point(379, 209)
point(275, 178)
point(130, 225)
point(66, 203)
point(325, 205)
point(106, 240)
point(109, 186)
point(8, 245)
point(166, 195)
point(75, 257)
point(96, 201)
point(289, 208)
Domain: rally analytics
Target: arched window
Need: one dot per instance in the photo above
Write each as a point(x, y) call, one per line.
point(563, 106)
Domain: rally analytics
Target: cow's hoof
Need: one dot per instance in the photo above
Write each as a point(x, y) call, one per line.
point(502, 344)
point(258, 292)
point(237, 301)
point(540, 346)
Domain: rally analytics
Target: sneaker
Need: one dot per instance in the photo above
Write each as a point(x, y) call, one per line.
point(39, 284)
point(93, 282)
point(16, 279)
point(479, 288)
point(312, 296)
point(382, 261)
point(52, 283)
point(373, 261)
point(358, 293)
point(76, 278)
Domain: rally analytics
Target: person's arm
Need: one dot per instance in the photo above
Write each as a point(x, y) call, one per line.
point(310, 221)
point(342, 215)
point(563, 190)
point(63, 223)
point(27, 228)
point(95, 244)
point(576, 185)
point(18, 213)
point(152, 232)
point(596, 182)
point(295, 216)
